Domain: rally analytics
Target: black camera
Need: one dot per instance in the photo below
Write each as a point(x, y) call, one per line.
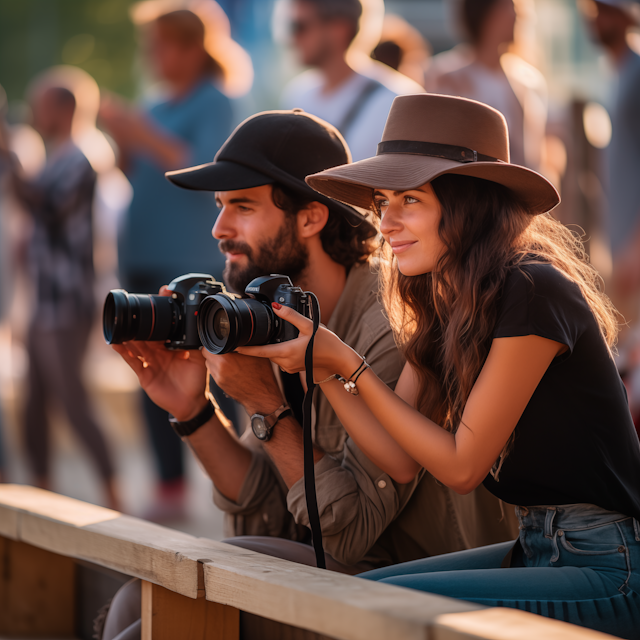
point(226, 322)
point(172, 320)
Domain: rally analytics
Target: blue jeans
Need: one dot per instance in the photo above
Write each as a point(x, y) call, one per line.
point(578, 563)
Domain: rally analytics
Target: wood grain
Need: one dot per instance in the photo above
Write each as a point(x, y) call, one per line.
point(169, 616)
point(37, 591)
point(499, 623)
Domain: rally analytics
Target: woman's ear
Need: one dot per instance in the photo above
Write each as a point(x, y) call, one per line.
point(312, 219)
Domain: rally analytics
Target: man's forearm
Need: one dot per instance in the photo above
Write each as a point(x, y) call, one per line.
point(224, 459)
point(286, 449)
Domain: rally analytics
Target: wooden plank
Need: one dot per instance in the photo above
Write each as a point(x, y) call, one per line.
point(257, 628)
point(8, 523)
point(37, 590)
point(73, 528)
point(508, 624)
point(327, 603)
point(169, 616)
point(305, 597)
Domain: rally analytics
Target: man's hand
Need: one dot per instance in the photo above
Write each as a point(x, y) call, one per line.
point(174, 380)
point(248, 380)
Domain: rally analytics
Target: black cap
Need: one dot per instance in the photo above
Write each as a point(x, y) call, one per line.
point(281, 147)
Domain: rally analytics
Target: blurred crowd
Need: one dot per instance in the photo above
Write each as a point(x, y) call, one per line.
point(85, 207)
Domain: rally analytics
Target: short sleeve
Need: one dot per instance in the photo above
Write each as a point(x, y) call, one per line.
point(539, 300)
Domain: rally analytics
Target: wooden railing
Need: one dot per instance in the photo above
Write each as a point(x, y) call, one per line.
point(194, 588)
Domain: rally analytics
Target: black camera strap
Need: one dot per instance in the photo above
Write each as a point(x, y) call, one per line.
point(309, 469)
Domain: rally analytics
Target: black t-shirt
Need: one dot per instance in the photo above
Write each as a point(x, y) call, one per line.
point(575, 441)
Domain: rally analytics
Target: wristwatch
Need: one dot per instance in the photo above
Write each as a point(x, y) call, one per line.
point(262, 426)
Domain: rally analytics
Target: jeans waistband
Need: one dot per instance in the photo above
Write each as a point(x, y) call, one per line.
point(568, 516)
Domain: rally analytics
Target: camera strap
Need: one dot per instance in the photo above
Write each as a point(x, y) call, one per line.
point(309, 469)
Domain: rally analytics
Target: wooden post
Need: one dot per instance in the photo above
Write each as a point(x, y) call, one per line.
point(37, 590)
point(167, 615)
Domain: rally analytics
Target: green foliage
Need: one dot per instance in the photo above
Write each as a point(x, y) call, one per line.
point(95, 35)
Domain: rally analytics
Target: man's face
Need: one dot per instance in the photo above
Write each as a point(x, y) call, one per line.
point(256, 237)
point(608, 24)
point(46, 113)
point(313, 38)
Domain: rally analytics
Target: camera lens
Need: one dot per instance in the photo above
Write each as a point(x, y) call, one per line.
point(225, 323)
point(131, 316)
point(221, 324)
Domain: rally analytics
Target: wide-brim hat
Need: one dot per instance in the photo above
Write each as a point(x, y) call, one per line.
point(234, 61)
point(430, 135)
point(274, 147)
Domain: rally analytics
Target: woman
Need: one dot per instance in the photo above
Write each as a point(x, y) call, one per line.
point(167, 232)
point(509, 378)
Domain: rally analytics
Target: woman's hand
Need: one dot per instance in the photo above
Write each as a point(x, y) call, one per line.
point(330, 354)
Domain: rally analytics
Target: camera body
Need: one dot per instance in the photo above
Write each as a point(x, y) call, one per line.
point(225, 322)
point(188, 292)
point(278, 288)
point(170, 319)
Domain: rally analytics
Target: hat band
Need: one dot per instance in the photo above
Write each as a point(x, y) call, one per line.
point(433, 149)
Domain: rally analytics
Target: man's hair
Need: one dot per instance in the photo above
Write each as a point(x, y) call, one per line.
point(473, 15)
point(63, 98)
point(349, 10)
point(341, 241)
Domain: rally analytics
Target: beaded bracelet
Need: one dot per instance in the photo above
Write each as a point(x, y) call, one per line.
point(350, 384)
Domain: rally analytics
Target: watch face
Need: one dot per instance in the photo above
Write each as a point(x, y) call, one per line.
point(259, 427)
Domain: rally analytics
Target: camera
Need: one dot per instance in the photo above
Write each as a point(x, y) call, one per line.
point(225, 322)
point(170, 319)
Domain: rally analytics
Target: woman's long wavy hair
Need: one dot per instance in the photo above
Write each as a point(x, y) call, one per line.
point(444, 320)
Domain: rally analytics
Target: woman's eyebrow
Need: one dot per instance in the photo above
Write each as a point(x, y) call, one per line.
point(397, 193)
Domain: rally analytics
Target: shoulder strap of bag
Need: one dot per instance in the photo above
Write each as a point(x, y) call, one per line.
point(370, 87)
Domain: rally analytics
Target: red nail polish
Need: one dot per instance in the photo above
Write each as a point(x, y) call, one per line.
point(275, 305)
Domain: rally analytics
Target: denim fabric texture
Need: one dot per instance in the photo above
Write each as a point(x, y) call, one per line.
point(578, 563)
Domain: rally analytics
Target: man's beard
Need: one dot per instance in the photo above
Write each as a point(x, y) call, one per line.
point(283, 254)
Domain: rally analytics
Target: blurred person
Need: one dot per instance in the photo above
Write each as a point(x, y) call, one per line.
point(483, 69)
point(271, 221)
point(165, 232)
point(60, 260)
point(610, 22)
point(6, 163)
point(402, 48)
point(352, 95)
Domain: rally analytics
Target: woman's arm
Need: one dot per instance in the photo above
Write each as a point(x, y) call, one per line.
point(367, 432)
point(512, 371)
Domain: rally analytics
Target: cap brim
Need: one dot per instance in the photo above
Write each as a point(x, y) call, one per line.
point(354, 184)
point(218, 176)
point(223, 175)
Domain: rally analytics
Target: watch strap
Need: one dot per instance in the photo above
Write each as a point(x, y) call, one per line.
point(188, 427)
point(279, 413)
point(271, 420)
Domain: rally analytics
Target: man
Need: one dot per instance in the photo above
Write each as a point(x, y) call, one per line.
point(355, 101)
point(610, 22)
point(60, 259)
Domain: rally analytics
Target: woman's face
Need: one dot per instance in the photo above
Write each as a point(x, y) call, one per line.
point(409, 222)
